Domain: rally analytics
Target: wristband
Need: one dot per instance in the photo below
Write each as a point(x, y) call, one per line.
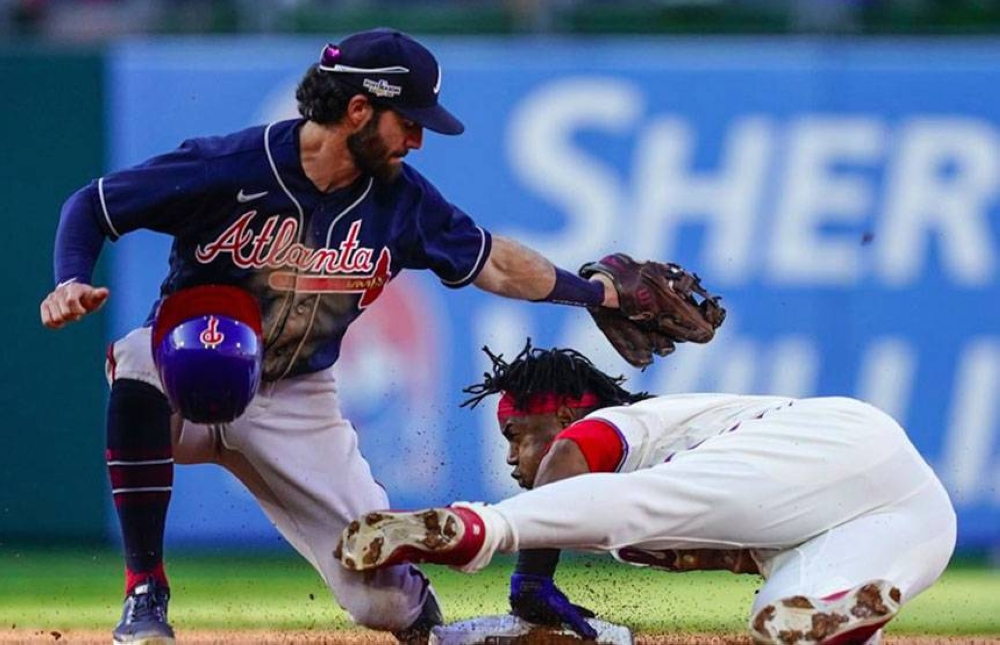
point(537, 562)
point(571, 289)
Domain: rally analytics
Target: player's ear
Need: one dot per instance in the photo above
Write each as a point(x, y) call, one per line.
point(359, 111)
point(566, 415)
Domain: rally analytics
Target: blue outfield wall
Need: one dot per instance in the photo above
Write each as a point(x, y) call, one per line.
point(842, 196)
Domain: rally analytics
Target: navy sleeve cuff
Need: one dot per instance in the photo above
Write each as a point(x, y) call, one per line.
point(484, 254)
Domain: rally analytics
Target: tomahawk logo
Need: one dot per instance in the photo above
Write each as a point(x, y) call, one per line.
point(211, 337)
point(370, 286)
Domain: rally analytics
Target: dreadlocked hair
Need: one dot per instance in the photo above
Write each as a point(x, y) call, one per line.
point(564, 372)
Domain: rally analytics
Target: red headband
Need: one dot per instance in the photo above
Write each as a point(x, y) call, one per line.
point(543, 403)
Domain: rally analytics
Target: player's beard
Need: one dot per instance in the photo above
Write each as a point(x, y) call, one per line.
point(370, 153)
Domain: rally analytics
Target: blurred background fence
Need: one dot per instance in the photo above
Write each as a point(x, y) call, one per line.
point(102, 19)
point(837, 182)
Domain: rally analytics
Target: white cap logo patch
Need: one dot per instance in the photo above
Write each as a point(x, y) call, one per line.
point(437, 86)
point(381, 87)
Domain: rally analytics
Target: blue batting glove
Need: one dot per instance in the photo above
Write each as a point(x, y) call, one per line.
point(536, 599)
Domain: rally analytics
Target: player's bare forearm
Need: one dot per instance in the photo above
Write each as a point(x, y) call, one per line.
point(564, 460)
point(70, 302)
point(516, 271)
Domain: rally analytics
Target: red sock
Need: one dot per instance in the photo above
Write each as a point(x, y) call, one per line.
point(135, 578)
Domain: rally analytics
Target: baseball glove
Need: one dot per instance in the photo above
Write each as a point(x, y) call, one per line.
point(657, 308)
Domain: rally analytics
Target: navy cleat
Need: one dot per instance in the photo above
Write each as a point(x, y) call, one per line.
point(144, 617)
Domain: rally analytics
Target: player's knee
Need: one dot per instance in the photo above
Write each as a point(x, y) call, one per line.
point(388, 603)
point(136, 406)
point(382, 614)
point(192, 444)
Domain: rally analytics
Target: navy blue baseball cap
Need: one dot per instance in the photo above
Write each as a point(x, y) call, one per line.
point(394, 70)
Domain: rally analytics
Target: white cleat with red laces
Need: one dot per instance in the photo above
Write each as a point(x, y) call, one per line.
point(451, 536)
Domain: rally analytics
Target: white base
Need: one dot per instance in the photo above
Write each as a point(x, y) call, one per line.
point(511, 630)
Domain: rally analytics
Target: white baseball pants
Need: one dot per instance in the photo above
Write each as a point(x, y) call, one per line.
point(828, 493)
point(299, 457)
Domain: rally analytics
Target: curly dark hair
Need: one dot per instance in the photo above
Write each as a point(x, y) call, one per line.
point(322, 98)
point(564, 372)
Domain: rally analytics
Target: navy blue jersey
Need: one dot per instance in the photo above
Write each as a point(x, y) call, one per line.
point(242, 212)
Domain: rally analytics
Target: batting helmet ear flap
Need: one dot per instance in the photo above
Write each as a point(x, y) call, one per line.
point(208, 351)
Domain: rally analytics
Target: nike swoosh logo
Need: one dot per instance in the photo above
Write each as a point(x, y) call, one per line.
point(437, 85)
point(243, 198)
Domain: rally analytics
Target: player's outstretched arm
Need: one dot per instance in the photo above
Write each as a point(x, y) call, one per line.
point(516, 271)
point(534, 596)
point(70, 302)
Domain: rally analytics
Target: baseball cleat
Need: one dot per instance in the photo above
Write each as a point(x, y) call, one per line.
point(849, 618)
point(450, 536)
point(144, 617)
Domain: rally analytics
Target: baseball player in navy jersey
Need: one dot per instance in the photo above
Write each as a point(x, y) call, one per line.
point(826, 498)
point(312, 216)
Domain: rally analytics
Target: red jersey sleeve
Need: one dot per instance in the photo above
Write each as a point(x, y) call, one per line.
point(600, 442)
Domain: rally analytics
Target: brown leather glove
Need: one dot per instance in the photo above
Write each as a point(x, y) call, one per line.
point(657, 307)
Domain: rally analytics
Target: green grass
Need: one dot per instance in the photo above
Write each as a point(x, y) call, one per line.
point(82, 590)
